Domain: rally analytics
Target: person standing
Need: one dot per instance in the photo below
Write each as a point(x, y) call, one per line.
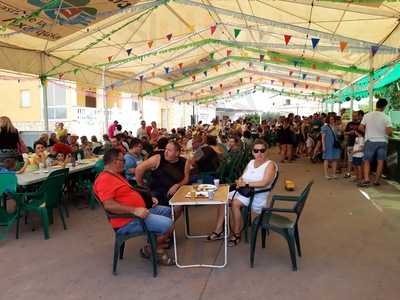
point(350, 133)
point(11, 145)
point(330, 147)
point(154, 135)
point(111, 129)
point(141, 132)
point(377, 127)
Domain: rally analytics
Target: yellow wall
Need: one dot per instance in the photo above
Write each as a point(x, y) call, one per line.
point(113, 99)
point(10, 100)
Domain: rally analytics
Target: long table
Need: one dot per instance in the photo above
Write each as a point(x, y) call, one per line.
point(32, 177)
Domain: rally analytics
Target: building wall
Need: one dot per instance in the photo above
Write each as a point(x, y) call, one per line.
point(10, 103)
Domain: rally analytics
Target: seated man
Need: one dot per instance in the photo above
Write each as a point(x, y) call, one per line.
point(132, 159)
point(118, 197)
point(168, 172)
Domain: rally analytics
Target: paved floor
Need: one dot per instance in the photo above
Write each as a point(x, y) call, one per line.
point(350, 242)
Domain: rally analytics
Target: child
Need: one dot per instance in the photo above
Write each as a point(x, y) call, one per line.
point(358, 153)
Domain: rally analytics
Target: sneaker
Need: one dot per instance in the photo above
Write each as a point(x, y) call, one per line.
point(347, 175)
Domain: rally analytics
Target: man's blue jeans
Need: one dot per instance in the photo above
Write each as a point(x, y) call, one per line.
point(158, 222)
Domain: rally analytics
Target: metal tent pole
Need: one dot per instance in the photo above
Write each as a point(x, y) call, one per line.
point(43, 82)
point(371, 83)
point(104, 99)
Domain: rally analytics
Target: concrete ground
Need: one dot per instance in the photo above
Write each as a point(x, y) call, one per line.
point(350, 242)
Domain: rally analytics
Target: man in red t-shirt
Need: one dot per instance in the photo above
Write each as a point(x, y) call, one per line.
point(118, 197)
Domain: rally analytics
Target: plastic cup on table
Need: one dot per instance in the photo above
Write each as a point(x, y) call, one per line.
point(216, 183)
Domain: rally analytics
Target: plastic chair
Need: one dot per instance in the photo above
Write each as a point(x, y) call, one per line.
point(8, 186)
point(288, 228)
point(47, 198)
point(120, 239)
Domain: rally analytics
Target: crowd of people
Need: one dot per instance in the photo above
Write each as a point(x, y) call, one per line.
point(164, 161)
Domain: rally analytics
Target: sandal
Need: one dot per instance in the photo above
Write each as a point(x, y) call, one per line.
point(216, 236)
point(234, 240)
point(377, 183)
point(164, 259)
point(364, 184)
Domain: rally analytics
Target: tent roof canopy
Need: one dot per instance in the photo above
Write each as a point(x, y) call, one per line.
point(194, 49)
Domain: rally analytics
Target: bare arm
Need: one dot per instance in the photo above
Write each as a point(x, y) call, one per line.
point(389, 131)
point(114, 207)
point(149, 164)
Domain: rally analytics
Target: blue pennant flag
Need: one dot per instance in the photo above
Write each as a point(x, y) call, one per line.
point(314, 42)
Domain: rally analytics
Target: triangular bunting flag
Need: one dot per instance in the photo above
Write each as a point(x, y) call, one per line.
point(193, 77)
point(153, 74)
point(262, 57)
point(236, 32)
point(230, 93)
point(374, 49)
point(150, 44)
point(314, 42)
point(304, 76)
point(109, 58)
point(76, 71)
point(272, 81)
point(180, 65)
point(295, 63)
point(241, 80)
point(306, 86)
point(220, 85)
point(294, 84)
point(169, 36)
point(211, 88)
point(228, 52)
point(265, 67)
point(141, 77)
point(60, 76)
point(172, 85)
point(212, 55)
point(318, 78)
point(343, 45)
point(237, 91)
point(128, 51)
point(287, 38)
point(313, 66)
point(112, 86)
point(166, 70)
point(290, 73)
point(205, 73)
point(216, 68)
point(251, 79)
point(213, 28)
point(332, 81)
point(228, 63)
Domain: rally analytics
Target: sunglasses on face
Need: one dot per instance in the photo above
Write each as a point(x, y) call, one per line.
point(259, 150)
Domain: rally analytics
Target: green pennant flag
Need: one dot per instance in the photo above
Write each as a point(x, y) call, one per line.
point(212, 55)
point(237, 32)
point(76, 71)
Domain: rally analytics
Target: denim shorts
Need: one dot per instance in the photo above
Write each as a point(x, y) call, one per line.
point(357, 161)
point(158, 222)
point(375, 150)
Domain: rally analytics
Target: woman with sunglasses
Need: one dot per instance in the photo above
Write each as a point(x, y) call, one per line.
point(259, 174)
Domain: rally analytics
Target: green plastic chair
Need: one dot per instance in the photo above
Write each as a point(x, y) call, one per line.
point(8, 186)
point(120, 239)
point(270, 219)
point(48, 198)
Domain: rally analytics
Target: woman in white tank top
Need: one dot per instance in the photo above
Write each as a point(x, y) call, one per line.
point(259, 174)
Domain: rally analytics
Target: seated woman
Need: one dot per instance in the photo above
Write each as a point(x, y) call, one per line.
point(259, 174)
point(38, 159)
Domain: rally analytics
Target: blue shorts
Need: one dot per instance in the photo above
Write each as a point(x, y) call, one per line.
point(375, 151)
point(357, 161)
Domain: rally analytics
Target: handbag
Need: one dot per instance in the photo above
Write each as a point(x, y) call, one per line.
point(245, 191)
point(336, 143)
